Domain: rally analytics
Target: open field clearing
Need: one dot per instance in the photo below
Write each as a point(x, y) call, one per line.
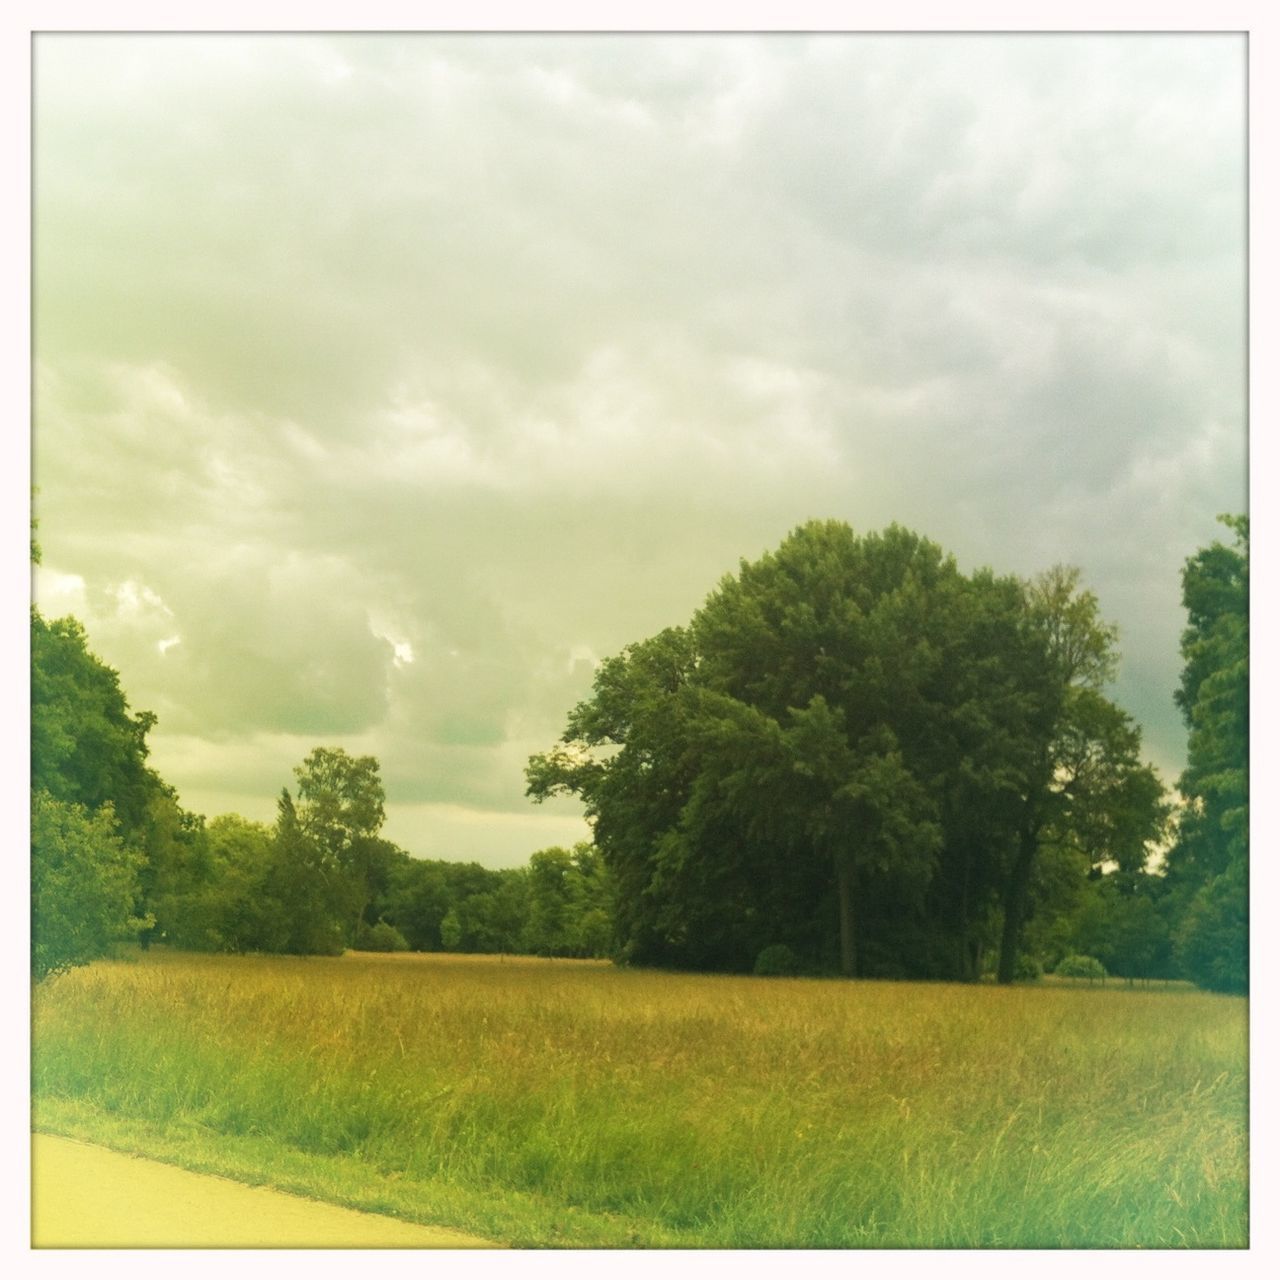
point(571, 1103)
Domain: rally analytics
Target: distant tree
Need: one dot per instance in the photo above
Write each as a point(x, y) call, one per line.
point(628, 753)
point(1123, 921)
point(177, 879)
point(382, 858)
point(305, 893)
point(232, 907)
point(380, 937)
point(89, 749)
point(451, 930)
point(495, 920)
point(567, 896)
point(339, 810)
point(84, 882)
point(416, 900)
point(776, 961)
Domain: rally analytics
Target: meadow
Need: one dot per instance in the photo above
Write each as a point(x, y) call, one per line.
point(571, 1103)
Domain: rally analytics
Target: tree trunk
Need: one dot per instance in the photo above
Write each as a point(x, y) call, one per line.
point(848, 936)
point(1015, 903)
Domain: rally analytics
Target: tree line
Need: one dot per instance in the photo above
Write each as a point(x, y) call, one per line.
point(855, 758)
point(114, 855)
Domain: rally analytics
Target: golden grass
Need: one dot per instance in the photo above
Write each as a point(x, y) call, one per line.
point(574, 1103)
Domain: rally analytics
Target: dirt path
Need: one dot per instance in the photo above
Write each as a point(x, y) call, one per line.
point(86, 1197)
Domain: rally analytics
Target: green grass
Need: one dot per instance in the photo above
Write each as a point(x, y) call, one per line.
point(570, 1103)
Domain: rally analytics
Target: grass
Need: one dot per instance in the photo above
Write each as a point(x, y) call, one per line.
point(573, 1104)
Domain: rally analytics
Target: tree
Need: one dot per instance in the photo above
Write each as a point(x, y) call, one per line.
point(87, 748)
point(233, 908)
point(416, 901)
point(1211, 943)
point(84, 880)
point(1122, 920)
point(451, 930)
point(1209, 862)
point(566, 902)
point(840, 754)
point(1082, 781)
point(304, 892)
point(628, 753)
point(176, 880)
point(339, 810)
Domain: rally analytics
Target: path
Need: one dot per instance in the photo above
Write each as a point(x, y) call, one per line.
point(86, 1197)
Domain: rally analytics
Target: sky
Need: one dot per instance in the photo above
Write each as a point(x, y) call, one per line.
point(384, 384)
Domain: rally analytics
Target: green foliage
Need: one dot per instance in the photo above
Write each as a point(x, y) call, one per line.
point(568, 900)
point(857, 751)
point(451, 930)
point(339, 811)
point(486, 909)
point(83, 884)
point(1131, 934)
point(1083, 788)
point(86, 746)
point(1208, 864)
point(304, 882)
point(231, 906)
point(776, 961)
point(1211, 944)
point(1082, 967)
point(320, 879)
point(1028, 969)
point(380, 937)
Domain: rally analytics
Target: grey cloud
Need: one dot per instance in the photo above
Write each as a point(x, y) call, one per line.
point(503, 349)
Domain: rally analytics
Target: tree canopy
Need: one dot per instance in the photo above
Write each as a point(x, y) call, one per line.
point(93, 801)
point(858, 752)
point(1208, 864)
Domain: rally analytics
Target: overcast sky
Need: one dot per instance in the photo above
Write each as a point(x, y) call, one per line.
point(384, 383)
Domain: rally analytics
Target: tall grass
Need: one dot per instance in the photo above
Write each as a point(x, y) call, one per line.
point(573, 1103)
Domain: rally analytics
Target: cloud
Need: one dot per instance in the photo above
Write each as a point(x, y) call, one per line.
point(382, 379)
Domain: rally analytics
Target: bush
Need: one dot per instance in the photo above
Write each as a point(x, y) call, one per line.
point(777, 961)
point(1082, 967)
point(1028, 969)
point(382, 937)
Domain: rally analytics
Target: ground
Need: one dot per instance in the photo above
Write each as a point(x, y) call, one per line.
point(86, 1197)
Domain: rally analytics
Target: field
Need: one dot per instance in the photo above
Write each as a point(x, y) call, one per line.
point(562, 1103)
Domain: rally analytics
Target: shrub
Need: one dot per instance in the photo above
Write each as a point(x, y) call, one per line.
point(1028, 969)
point(777, 961)
point(1081, 967)
point(381, 937)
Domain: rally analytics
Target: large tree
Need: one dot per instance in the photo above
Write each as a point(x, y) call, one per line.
point(1208, 865)
point(339, 811)
point(87, 747)
point(853, 749)
point(89, 769)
